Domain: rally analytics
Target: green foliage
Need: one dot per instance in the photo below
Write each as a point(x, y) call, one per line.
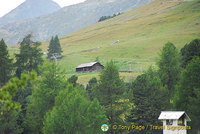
point(89, 88)
point(9, 91)
point(149, 98)
point(109, 91)
point(30, 56)
point(187, 93)
point(57, 45)
point(169, 67)
point(92, 81)
point(9, 109)
point(9, 123)
point(108, 17)
point(22, 97)
point(51, 82)
point(51, 48)
point(195, 110)
point(73, 80)
point(189, 51)
point(54, 47)
point(97, 59)
point(74, 113)
point(6, 65)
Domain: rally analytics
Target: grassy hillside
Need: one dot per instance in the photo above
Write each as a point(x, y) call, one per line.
point(141, 33)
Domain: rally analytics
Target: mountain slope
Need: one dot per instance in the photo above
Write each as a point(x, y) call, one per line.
point(141, 34)
point(29, 9)
point(66, 20)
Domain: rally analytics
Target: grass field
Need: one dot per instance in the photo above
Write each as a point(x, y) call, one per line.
point(141, 33)
point(84, 78)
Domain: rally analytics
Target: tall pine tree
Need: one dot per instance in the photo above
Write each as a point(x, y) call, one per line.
point(109, 91)
point(57, 45)
point(51, 48)
point(52, 81)
point(73, 113)
point(188, 92)
point(54, 47)
point(169, 67)
point(189, 51)
point(149, 98)
point(30, 56)
point(6, 65)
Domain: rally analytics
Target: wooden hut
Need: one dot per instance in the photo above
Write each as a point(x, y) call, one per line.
point(89, 67)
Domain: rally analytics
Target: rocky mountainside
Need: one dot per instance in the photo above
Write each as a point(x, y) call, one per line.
point(29, 9)
point(66, 20)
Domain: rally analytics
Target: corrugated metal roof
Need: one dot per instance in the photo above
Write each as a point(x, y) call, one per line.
point(86, 64)
point(170, 115)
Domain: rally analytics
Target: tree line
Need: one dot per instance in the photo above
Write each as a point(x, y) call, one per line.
point(40, 99)
point(108, 17)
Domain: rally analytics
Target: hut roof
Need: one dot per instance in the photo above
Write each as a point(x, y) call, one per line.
point(170, 115)
point(87, 64)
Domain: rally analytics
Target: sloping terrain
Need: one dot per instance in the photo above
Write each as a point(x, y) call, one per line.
point(29, 9)
point(141, 33)
point(66, 20)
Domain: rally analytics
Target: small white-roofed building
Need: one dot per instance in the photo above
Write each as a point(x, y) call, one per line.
point(174, 122)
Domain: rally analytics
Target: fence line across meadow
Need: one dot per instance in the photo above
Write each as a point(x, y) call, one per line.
point(121, 70)
point(133, 71)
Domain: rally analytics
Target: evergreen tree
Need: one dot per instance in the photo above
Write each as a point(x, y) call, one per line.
point(73, 80)
point(109, 91)
point(6, 65)
point(107, 17)
point(51, 48)
point(149, 98)
point(9, 109)
point(169, 67)
point(189, 51)
point(54, 47)
point(74, 113)
point(9, 123)
point(187, 93)
point(57, 45)
point(195, 110)
point(30, 56)
point(22, 97)
point(52, 81)
point(89, 88)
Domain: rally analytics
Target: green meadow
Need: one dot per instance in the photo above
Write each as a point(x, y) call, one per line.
point(141, 33)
